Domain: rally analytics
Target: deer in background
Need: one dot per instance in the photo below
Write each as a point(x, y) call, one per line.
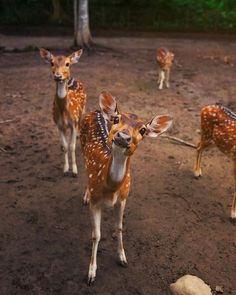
point(218, 126)
point(164, 59)
point(109, 138)
point(69, 102)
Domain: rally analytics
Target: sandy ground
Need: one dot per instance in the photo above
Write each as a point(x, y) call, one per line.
point(174, 224)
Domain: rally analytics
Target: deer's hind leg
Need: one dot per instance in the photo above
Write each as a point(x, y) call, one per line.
point(206, 140)
point(204, 143)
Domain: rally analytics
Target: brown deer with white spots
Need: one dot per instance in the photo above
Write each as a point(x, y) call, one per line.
point(69, 102)
point(109, 138)
point(218, 126)
point(165, 60)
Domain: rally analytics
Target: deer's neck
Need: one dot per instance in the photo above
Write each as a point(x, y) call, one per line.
point(61, 89)
point(118, 166)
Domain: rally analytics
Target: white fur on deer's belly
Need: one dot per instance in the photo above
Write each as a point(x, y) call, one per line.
point(118, 164)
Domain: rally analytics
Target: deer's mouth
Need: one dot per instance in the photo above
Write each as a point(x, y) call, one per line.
point(120, 142)
point(59, 80)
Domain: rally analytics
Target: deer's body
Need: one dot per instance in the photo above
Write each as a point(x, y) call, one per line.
point(69, 103)
point(165, 60)
point(108, 139)
point(218, 126)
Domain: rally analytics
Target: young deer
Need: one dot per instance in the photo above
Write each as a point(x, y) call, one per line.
point(218, 125)
point(164, 59)
point(109, 139)
point(69, 102)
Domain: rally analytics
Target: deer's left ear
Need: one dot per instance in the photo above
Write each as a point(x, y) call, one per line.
point(46, 55)
point(158, 125)
point(108, 105)
point(75, 56)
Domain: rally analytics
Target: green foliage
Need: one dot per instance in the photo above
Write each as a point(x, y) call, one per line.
point(172, 15)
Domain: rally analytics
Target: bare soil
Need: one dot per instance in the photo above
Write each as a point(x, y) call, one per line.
point(174, 224)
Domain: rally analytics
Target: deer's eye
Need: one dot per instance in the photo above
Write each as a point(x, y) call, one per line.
point(142, 131)
point(67, 64)
point(116, 120)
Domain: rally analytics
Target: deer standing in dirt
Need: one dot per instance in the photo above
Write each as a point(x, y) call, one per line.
point(164, 59)
point(109, 139)
point(69, 102)
point(218, 125)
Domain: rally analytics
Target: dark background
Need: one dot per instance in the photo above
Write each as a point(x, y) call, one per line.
point(152, 15)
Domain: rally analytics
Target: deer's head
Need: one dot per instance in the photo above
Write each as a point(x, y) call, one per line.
point(128, 130)
point(60, 65)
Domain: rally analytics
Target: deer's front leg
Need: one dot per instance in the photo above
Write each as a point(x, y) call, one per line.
point(161, 78)
point(119, 212)
point(65, 150)
point(167, 78)
point(72, 148)
point(86, 196)
point(96, 235)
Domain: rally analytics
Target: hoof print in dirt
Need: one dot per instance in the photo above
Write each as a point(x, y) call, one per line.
point(66, 174)
point(232, 220)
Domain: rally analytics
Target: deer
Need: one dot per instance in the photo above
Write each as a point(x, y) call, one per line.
point(165, 60)
point(69, 103)
point(109, 138)
point(218, 127)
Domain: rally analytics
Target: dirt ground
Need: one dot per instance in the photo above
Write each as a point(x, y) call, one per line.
point(174, 224)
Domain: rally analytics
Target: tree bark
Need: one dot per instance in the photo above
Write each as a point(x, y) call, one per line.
point(82, 35)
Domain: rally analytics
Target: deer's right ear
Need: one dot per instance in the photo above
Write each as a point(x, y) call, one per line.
point(108, 105)
point(46, 55)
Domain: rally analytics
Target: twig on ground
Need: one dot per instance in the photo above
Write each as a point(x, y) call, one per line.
point(7, 121)
point(181, 141)
point(6, 151)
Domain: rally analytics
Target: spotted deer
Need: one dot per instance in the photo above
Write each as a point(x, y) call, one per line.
point(218, 126)
point(69, 102)
point(164, 59)
point(109, 138)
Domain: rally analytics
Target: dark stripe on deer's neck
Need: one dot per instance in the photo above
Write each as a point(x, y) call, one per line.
point(227, 111)
point(102, 131)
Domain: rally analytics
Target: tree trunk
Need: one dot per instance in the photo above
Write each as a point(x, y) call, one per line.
point(82, 35)
point(58, 14)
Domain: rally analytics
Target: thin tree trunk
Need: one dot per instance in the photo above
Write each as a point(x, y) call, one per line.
point(82, 35)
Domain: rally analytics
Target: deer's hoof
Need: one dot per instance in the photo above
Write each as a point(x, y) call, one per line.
point(233, 217)
point(91, 278)
point(74, 174)
point(197, 173)
point(123, 263)
point(66, 174)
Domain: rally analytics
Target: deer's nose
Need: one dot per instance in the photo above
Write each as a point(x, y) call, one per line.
point(57, 77)
point(123, 138)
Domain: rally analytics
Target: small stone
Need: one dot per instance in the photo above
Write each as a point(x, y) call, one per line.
point(219, 289)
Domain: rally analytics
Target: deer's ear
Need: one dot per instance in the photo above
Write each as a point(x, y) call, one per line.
point(46, 55)
point(158, 125)
point(75, 56)
point(108, 105)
